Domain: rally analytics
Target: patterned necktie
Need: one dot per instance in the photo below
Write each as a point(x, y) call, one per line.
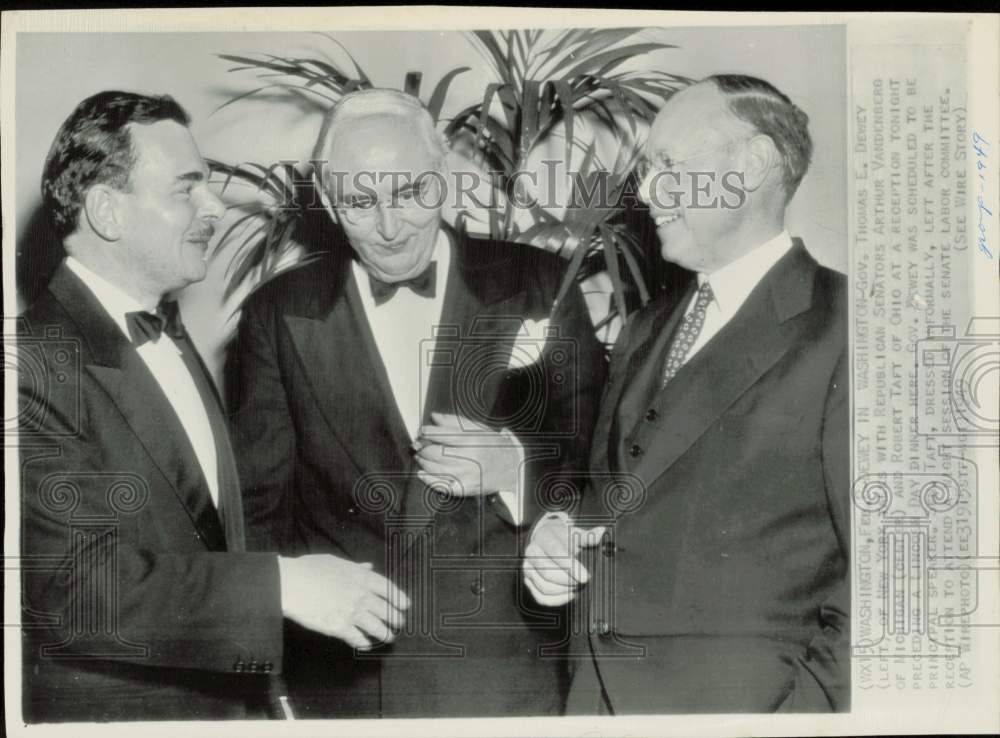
point(424, 284)
point(687, 334)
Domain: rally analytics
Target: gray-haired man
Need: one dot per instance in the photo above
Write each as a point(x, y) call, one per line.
point(386, 412)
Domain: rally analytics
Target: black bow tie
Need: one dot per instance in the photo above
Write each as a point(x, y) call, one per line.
point(424, 284)
point(145, 326)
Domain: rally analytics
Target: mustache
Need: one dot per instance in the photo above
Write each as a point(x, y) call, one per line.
point(204, 233)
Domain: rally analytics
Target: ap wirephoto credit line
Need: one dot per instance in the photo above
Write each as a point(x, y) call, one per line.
point(494, 372)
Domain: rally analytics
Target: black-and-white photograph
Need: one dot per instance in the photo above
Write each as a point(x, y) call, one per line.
point(433, 374)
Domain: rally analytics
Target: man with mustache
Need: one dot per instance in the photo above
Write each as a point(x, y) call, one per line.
point(406, 400)
point(718, 581)
point(140, 601)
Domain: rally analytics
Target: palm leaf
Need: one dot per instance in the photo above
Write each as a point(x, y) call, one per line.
point(557, 45)
point(335, 81)
point(493, 54)
point(589, 44)
point(617, 56)
point(564, 94)
point(529, 115)
point(360, 73)
point(511, 63)
point(328, 70)
point(633, 266)
point(241, 223)
point(495, 150)
point(572, 271)
point(490, 136)
point(611, 261)
point(522, 50)
point(249, 257)
point(437, 98)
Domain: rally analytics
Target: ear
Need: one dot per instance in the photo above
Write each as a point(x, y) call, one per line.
point(760, 158)
point(101, 208)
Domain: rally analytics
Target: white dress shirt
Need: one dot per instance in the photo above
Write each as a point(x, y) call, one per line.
point(164, 361)
point(732, 284)
point(404, 329)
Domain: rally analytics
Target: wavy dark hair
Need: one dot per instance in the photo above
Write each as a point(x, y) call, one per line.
point(94, 146)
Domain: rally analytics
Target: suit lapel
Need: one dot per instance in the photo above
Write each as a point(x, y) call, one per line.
point(479, 323)
point(658, 318)
point(758, 336)
point(480, 319)
point(126, 379)
point(339, 356)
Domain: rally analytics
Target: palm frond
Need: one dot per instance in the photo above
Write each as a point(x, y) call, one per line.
point(358, 70)
point(541, 83)
point(436, 101)
point(573, 269)
point(494, 56)
point(317, 76)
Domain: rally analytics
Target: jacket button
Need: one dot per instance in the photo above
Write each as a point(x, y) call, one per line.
point(635, 450)
point(608, 547)
point(651, 414)
point(477, 587)
point(601, 628)
point(352, 511)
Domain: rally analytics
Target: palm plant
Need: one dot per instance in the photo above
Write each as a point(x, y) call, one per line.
point(545, 85)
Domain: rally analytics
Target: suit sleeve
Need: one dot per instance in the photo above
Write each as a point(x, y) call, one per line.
point(263, 430)
point(558, 453)
point(823, 676)
point(97, 589)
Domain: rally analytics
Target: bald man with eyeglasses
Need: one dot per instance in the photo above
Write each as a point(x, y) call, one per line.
point(405, 400)
point(708, 560)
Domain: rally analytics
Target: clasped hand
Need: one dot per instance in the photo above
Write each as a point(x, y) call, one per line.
point(341, 598)
point(469, 458)
point(552, 569)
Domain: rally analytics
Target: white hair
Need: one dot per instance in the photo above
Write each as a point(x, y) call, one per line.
point(361, 104)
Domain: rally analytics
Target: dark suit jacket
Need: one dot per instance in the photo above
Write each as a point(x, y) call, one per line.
point(132, 607)
point(725, 586)
point(326, 465)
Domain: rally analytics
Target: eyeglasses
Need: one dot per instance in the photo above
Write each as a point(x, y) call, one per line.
point(424, 192)
point(660, 180)
point(644, 168)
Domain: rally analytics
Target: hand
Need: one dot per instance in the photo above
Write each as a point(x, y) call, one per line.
point(471, 458)
point(341, 599)
point(552, 571)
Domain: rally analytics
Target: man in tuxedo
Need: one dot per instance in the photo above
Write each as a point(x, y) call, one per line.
point(406, 400)
point(708, 561)
point(140, 601)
